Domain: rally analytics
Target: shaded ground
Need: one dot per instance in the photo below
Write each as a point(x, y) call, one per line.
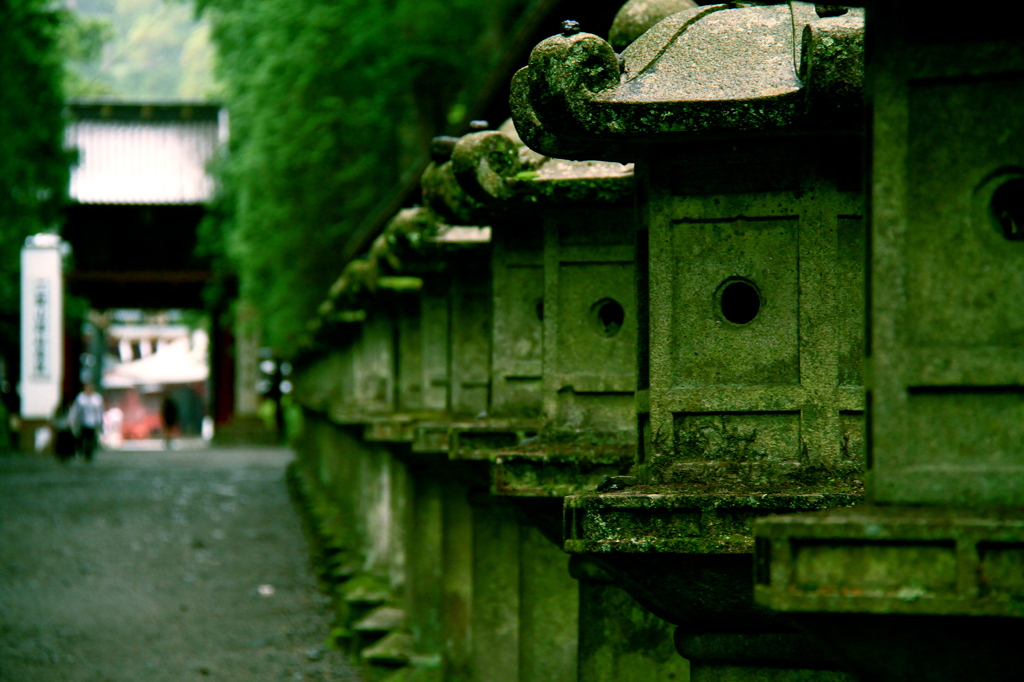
point(148, 566)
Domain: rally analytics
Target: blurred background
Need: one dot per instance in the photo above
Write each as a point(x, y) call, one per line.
point(210, 166)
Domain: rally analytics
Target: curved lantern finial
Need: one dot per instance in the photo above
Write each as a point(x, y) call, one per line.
point(718, 68)
point(485, 164)
point(487, 173)
point(565, 73)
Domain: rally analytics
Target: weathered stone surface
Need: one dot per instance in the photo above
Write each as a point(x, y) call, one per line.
point(620, 641)
point(442, 193)
point(394, 650)
point(894, 560)
point(491, 174)
point(946, 380)
point(579, 344)
point(483, 162)
point(549, 612)
point(393, 322)
point(470, 329)
point(636, 17)
point(486, 439)
point(414, 243)
point(948, 369)
point(432, 437)
point(590, 322)
point(356, 491)
point(746, 408)
point(561, 259)
point(751, 381)
point(712, 69)
point(547, 475)
point(750, 250)
point(319, 384)
point(399, 428)
point(925, 584)
point(517, 287)
point(661, 519)
point(381, 620)
point(698, 592)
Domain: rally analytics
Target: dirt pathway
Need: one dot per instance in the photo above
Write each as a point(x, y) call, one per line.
point(153, 566)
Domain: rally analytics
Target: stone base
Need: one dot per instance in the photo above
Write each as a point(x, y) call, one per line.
point(889, 559)
point(902, 593)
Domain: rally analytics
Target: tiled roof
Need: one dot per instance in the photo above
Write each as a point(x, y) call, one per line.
point(143, 154)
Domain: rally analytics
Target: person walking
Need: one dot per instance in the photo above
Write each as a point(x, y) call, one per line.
point(169, 415)
point(86, 419)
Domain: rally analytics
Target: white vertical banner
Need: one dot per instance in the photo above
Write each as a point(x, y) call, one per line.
point(42, 326)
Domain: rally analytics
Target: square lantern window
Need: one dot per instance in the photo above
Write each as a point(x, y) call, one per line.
point(516, 347)
point(470, 353)
point(375, 363)
point(434, 335)
point(590, 306)
point(754, 291)
point(409, 347)
point(948, 389)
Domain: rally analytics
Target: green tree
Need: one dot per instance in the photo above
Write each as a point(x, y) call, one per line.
point(33, 164)
point(330, 101)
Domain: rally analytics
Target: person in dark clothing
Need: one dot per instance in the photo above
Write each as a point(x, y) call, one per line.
point(169, 414)
point(86, 420)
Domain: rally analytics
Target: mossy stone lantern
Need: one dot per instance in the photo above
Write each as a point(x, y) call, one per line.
point(563, 348)
point(744, 125)
point(466, 185)
point(926, 582)
point(564, 315)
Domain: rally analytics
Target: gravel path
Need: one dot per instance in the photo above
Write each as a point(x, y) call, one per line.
point(153, 566)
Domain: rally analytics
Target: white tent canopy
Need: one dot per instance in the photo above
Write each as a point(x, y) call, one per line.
point(172, 363)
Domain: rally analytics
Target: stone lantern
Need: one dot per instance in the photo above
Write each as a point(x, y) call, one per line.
point(562, 253)
point(744, 125)
point(564, 316)
point(926, 582)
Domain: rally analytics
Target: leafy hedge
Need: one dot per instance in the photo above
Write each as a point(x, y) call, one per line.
point(330, 102)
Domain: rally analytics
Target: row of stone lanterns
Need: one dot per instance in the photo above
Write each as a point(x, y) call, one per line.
point(639, 336)
point(453, 499)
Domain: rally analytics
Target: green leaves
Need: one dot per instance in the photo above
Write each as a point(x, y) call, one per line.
point(331, 101)
point(33, 165)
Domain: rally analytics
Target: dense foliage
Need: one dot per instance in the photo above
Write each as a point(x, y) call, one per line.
point(330, 102)
point(33, 165)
